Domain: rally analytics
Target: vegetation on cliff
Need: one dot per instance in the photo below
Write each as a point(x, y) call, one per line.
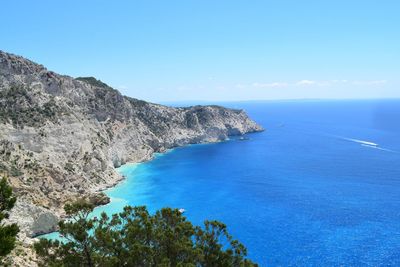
point(134, 237)
point(20, 109)
point(8, 233)
point(61, 138)
point(93, 81)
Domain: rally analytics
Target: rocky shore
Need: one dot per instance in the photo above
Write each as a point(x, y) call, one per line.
point(61, 138)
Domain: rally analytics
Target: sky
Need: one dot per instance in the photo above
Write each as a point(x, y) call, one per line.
point(214, 50)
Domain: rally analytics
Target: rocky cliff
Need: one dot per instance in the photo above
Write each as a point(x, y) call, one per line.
point(62, 138)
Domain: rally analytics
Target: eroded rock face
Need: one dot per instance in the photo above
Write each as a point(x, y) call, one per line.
point(99, 199)
point(33, 220)
point(61, 138)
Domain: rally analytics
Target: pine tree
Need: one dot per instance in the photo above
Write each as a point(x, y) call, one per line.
point(134, 237)
point(8, 233)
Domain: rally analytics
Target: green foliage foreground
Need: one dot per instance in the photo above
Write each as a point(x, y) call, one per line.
point(136, 238)
point(8, 233)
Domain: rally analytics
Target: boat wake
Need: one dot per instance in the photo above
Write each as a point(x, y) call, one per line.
point(380, 148)
point(368, 144)
point(364, 143)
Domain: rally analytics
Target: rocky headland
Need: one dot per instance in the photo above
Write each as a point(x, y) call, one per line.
point(61, 138)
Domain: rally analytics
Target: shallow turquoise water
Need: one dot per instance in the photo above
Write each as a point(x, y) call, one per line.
point(307, 192)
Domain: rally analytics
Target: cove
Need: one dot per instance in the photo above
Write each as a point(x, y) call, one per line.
point(320, 187)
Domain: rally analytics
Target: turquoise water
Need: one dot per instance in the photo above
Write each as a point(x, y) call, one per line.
point(312, 190)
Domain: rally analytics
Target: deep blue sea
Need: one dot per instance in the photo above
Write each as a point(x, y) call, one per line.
point(319, 187)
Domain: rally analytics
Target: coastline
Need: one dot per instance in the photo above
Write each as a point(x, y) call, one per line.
point(151, 157)
point(123, 178)
point(119, 170)
point(105, 187)
point(154, 156)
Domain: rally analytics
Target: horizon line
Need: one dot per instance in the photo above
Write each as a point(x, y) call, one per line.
point(278, 100)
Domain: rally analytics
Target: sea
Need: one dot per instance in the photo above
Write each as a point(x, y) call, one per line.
point(319, 187)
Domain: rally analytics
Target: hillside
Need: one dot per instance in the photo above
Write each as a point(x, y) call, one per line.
point(62, 138)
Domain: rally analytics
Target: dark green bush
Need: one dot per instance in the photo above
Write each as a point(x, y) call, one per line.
point(136, 238)
point(18, 107)
point(8, 233)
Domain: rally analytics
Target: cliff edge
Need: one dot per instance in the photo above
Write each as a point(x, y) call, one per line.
point(62, 138)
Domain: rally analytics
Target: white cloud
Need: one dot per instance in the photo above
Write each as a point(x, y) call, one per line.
point(336, 82)
point(310, 83)
point(306, 82)
point(270, 85)
point(339, 81)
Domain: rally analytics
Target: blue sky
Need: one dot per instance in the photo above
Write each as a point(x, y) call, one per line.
point(215, 50)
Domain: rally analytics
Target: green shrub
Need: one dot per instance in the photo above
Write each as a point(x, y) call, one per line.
point(8, 233)
point(18, 107)
point(136, 238)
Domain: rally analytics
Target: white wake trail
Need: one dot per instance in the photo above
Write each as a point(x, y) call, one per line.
point(368, 143)
point(365, 143)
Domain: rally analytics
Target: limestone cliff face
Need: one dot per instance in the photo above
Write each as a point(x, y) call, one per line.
point(61, 138)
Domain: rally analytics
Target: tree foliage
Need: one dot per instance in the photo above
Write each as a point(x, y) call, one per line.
point(8, 233)
point(135, 237)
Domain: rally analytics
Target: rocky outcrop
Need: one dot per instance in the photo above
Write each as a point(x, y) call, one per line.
point(99, 199)
point(61, 138)
point(34, 220)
